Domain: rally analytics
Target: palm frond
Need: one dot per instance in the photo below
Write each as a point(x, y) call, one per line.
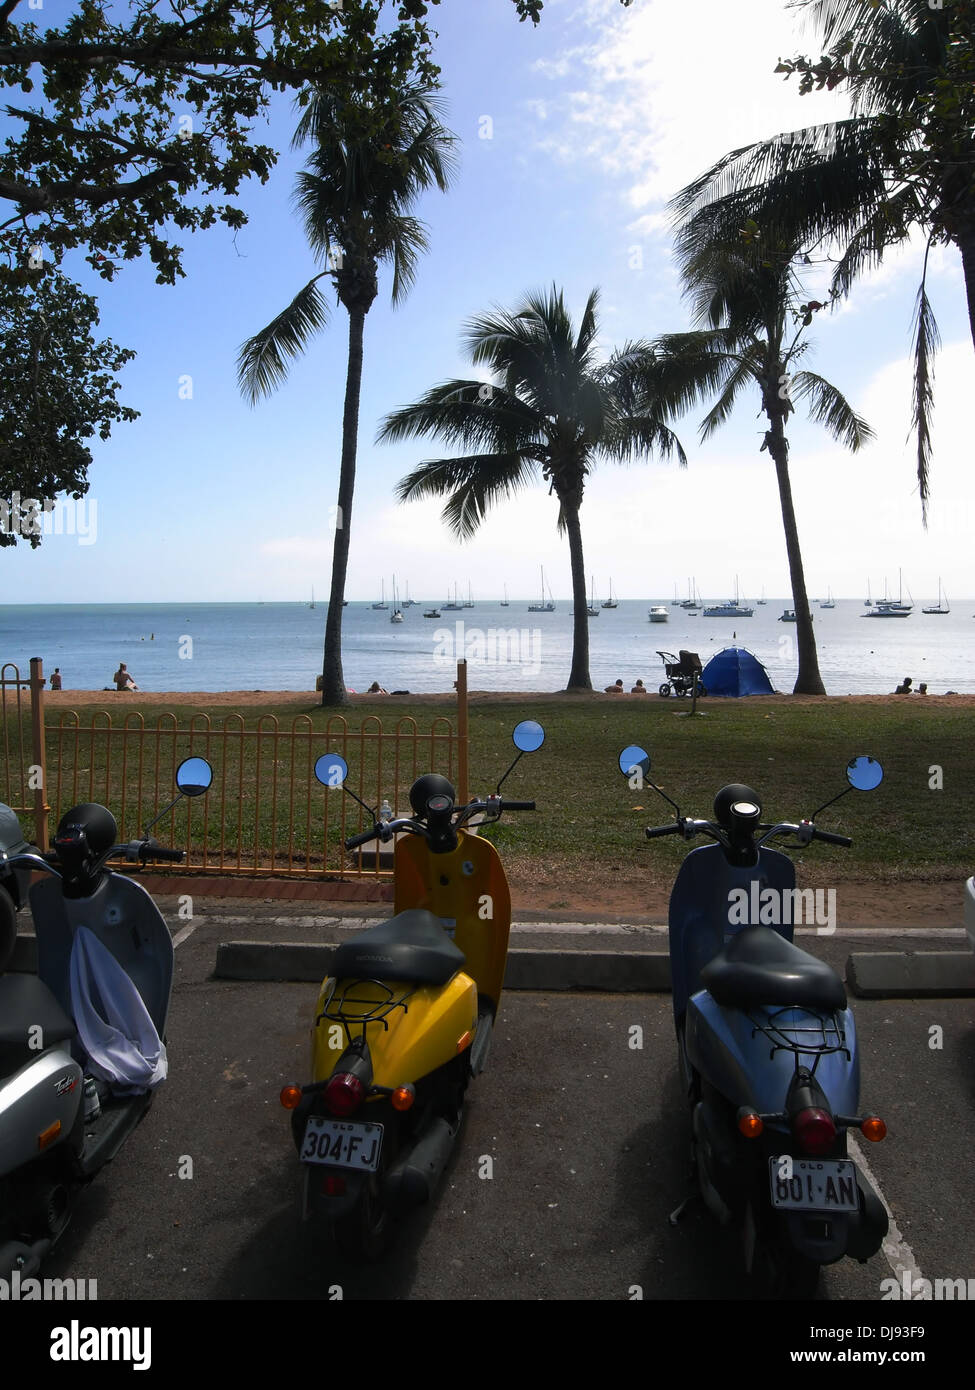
point(927, 341)
point(468, 414)
point(741, 373)
point(474, 483)
point(829, 407)
point(262, 363)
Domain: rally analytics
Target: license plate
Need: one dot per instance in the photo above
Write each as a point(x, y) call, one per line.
point(342, 1144)
point(813, 1185)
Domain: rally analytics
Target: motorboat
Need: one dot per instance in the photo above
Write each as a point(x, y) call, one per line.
point(659, 614)
point(732, 609)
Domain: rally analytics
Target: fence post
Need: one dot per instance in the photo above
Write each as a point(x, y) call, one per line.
point(41, 807)
point(460, 685)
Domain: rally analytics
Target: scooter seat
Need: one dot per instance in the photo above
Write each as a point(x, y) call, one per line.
point(26, 1003)
point(758, 966)
point(412, 947)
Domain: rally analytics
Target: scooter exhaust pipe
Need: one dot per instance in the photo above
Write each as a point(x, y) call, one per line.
point(413, 1178)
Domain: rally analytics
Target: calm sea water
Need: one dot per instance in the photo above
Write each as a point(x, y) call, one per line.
point(278, 646)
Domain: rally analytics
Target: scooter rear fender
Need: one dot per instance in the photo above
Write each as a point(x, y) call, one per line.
point(431, 1026)
point(725, 1048)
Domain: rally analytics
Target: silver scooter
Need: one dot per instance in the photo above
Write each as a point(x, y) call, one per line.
point(59, 1125)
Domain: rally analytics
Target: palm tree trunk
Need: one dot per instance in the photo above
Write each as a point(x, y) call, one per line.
point(965, 240)
point(579, 675)
point(333, 681)
point(808, 679)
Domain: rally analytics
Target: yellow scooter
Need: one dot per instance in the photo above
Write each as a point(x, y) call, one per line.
point(405, 1018)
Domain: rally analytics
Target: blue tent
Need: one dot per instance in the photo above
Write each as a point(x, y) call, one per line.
point(734, 671)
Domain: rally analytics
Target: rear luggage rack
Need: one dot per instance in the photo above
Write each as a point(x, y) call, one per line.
point(817, 1034)
point(350, 1011)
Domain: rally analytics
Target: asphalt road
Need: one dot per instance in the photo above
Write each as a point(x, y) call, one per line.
point(587, 1138)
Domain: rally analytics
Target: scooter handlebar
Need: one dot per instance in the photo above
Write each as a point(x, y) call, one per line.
point(354, 841)
point(832, 839)
point(654, 831)
point(517, 805)
point(168, 856)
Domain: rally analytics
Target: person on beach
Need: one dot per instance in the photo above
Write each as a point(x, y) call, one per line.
point(922, 688)
point(376, 689)
point(616, 689)
point(56, 679)
point(638, 689)
point(122, 679)
point(904, 689)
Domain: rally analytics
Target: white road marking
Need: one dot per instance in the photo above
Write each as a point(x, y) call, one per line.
point(181, 936)
point(897, 1252)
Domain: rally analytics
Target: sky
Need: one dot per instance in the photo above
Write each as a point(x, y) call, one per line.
point(574, 136)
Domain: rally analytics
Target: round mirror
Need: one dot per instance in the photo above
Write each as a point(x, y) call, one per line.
point(864, 773)
point(528, 736)
point(331, 769)
point(634, 757)
point(193, 776)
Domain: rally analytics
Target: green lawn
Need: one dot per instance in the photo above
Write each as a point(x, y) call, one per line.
point(793, 755)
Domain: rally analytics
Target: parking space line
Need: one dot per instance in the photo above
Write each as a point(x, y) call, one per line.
point(897, 1252)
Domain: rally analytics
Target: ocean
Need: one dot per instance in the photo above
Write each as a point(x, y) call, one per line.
point(278, 646)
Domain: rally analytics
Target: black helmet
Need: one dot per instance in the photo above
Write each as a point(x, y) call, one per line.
point(98, 823)
point(728, 796)
point(426, 787)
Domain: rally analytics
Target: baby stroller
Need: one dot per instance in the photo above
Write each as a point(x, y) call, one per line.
point(681, 671)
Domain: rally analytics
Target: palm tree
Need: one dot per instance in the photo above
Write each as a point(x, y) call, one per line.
point(903, 161)
point(551, 408)
point(367, 170)
point(754, 338)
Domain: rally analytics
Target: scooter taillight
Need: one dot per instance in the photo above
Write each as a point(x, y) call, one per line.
point(344, 1093)
point(815, 1131)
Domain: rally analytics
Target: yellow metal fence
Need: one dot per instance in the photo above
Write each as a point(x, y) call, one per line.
point(265, 813)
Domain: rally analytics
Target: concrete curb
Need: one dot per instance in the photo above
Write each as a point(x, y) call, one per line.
point(619, 971)
point(911, 974)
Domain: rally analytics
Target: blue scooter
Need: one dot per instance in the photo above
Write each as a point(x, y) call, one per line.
point(767, 1045)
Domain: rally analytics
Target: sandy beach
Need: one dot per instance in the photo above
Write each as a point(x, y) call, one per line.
point(245, 699)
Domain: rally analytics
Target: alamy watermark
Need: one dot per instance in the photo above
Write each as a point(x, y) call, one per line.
point(493, 646)
point(775, 907)
point(18, 1289)
point(64, 516)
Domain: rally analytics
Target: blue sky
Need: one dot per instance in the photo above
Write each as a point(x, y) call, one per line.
point(595, 119)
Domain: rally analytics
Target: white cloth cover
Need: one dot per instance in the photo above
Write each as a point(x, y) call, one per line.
point(113, 1023)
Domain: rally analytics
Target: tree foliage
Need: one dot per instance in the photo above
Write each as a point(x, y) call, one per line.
point(59, 390)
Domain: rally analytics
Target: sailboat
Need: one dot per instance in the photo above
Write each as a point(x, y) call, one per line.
point(543, 607)
point(408, 602)
point(396, 616)
point(693, 599)
point(732, 609)
point(382, 601)
point(469, 601)
point(761, 601)
point(611, 601)
point(592, 610)
point(312, 604)
point(453, 605)
point(943, 605)
point(828, 601)
point(504, 601)
point(675, 601)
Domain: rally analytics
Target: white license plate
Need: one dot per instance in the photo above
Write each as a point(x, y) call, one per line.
point(805, 1184)
point(342, 1144)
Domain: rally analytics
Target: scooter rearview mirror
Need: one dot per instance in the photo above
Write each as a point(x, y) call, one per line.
point(863, 774)
point(635, 759)
point(528, 737)
point(193, 776)
point(331, 770)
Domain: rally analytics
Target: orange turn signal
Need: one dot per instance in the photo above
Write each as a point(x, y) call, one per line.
point(291, 1097)
point(50, 1134)
point(750, 1124)
point(874, 1129)
point(403, 1097)
point(465, 1040)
